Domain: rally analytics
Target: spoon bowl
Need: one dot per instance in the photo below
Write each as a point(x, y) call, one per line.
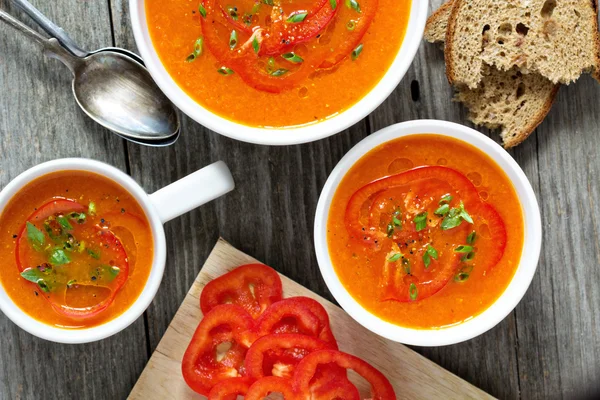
point(119, 93)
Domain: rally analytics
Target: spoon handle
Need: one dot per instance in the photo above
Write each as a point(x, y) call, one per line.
point(52, 48)
point(51, 28)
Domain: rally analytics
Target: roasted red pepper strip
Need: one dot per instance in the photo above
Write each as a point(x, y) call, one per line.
point(278, 354)
point(381, 389)
point(270, 384)
point(230, 389)
point(218, 348)
point(253, 287)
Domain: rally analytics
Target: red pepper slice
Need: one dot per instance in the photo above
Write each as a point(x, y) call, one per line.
point(230, 389)
point(75, 292)
point(278, 354)
point(324, 329)
point(270, 384)
point(217, 349)
point(253, 287)
point(292, 316)
point(383, 213)
point(338, 388)
point(381, 389)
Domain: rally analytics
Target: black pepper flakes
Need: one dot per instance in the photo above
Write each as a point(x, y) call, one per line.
point(15, 236)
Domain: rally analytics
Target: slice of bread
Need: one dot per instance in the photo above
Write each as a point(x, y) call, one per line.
point(435, 29)
point(509, 100)
point(556, 38)
point(515, 102)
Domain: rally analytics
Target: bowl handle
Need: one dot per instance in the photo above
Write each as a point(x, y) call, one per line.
point(192, 191)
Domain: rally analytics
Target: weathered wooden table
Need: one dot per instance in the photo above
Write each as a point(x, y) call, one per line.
point(549, 347)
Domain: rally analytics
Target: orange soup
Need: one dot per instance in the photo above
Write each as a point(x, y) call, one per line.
point(274, 63)
point(77, 249)
point(425, 231)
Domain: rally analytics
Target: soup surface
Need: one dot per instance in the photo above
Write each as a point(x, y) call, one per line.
point(425, 231)
point(277, 63)
point(77, 249)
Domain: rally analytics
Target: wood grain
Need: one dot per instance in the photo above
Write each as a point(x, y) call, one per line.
point(413, 376)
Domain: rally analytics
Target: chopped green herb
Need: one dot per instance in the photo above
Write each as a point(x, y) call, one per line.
point(421, 221)
point(278, 72)
point(395, 220)
point(232, 11)
point(463, 249)
point(356, 52)
point(94, 254)
point(71, 283)
point(406, 265)
point(464, 273)
point(64, 223)
point(395, 257)
point(107, 272)
point(59, 257)
point(442, 210)
point(446, 199)
point(233, 40)
point(390, 231)
point(79, 217)
point(38, 276)
point(333, 4)
point(413, 291)
point(202, 10)
point(455, 217)
point(92, 208)
point(297, 17)
point(247, 19)
point(351, 25)
point(468, 257)
point(35, 236)
point(270, 64)
point(471, 238)
point(353, 4)
point(292, 57)
point(225, 71)
point(255, 45)
point(429, 254)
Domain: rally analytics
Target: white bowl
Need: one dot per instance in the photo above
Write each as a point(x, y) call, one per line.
point(167, 203)
point(296, 135)
point(515, 290)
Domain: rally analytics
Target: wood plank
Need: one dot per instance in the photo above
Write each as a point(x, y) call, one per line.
point(40, 121)
point(413, 376)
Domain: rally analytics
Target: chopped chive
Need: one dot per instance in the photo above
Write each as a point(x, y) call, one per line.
point(468, 257)
point(390, 231)
point(94, 254)
point(271, 63)
point(446, 199)
point(292, 57)
point(463, 249)
point(225, 71)
point(233, 39)
point(442, 210)
point(351, 25)
point(461, 277)
point(455, 217)
point(406, 265)
point(413, 291)
point(353, 4)
point(92, 208)
point(298, 17)
point(421, 221)
point(471, 238)
point(232, 11)
point(333, 4)
point(34, 235)
point(255, 45)
point(64, 223)
point(429, 254)
point(356, 52)
point(278, 72)
point(426, 260)
point(202, 10)
point(395, 257)
point(198, 49)
point(247, 18)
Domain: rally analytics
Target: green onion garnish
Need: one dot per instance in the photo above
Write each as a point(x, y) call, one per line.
point(471, 238)
point(356, 52)
point(202, 10)
point(255, 45)
point(353, 4)
point(429, 254)
point(351, 25)
point(394, 257)
point(225, 71)
point(278, 72)
point(233, 39)
point(298, 17)
point(421, 221)
point(442, 210)
point(292, 57)
point(232, 11)
point(413, 291)
point(333, 4)
point(463, 249)
point(446, 199)
point(198, 49)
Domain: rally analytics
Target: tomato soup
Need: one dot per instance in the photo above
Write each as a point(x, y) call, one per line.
point(425, 231)
point(277, 63)
point(77, 249)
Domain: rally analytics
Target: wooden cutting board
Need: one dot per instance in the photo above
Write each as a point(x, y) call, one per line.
point(413, 376)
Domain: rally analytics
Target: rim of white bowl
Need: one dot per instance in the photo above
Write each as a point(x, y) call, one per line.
point(519, 283)
point(109, 328)
point(279, 137)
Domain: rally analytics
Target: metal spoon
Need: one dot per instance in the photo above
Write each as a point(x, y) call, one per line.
point(114, 90)
point(65, 40)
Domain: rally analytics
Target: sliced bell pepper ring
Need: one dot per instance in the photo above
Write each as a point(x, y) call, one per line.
point(338, 388)
point(381, 389)
point(217, 349)
point(421, 260)
point(230, 389)
point(270, 384)
point(254, 287)
point(278, 354)
point(324, 332)
point(282, 34)
point(79, 292)
point(287, 316)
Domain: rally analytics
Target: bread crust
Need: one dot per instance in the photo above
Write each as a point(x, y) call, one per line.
point(434, 19)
